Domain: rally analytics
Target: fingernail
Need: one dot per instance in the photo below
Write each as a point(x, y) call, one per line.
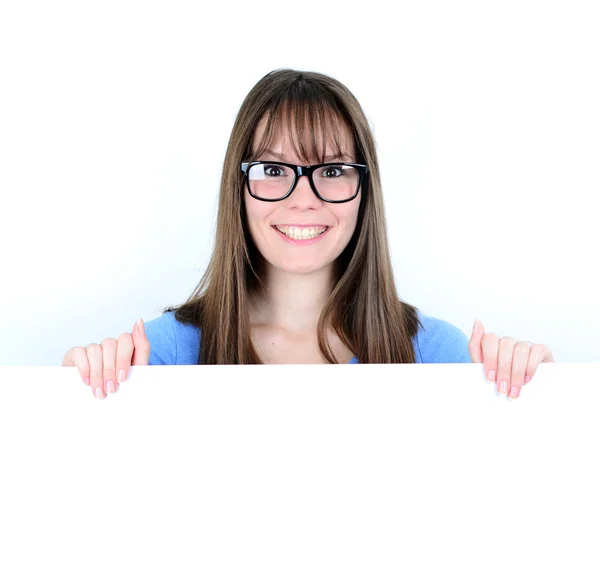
point(503, 387)
point(98, 392)
point(514, 392)
point(110, 387)
point(86, 381)
point(527, 379)
point(491, 376)
point(476, 325)
point(121, 377)
point(140, 325)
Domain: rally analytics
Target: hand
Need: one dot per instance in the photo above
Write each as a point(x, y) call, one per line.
point(511, 362)
point(101, 366)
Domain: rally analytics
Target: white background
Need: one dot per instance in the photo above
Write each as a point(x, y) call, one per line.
point(114, 121)
point(387, 465)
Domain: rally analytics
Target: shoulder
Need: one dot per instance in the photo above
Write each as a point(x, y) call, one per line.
point(172, 342)
point(440, 341)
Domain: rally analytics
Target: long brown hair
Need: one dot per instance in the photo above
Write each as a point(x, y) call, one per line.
point(363, 309)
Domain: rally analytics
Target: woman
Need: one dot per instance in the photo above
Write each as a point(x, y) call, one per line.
point(301, 270)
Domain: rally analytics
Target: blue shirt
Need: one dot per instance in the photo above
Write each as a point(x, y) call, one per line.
point(172, 342)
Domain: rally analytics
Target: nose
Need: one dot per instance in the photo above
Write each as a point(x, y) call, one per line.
point(303, 196)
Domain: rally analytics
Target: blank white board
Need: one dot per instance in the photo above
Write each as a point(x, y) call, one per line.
point(415, 464)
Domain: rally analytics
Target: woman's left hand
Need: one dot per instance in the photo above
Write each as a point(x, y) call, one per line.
point(507, 362)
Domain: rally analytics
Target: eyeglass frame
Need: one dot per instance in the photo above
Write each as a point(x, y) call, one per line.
point(299, 171)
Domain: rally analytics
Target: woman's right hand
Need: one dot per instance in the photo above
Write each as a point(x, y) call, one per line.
point(101, 365)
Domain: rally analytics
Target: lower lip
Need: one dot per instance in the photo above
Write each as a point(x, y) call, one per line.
point(304, 241)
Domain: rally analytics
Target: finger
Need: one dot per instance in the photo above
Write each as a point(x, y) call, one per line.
point(109, 354)
point(77, 357)
point(141, 345)
point(506, 348)
point(475, 342)
point(538, 354)
point(489, 348)
point(124, 356)
point(519, 366)
point(94, 356)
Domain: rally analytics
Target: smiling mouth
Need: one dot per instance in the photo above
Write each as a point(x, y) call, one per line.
point(301, 233)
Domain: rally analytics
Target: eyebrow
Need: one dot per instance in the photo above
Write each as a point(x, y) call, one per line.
point(327, 158)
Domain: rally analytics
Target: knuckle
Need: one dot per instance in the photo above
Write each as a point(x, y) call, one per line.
point(125, 349)
point(78, 353)
point(94, 348)
point(522, 347)
point(109, 342)
point(125, 338)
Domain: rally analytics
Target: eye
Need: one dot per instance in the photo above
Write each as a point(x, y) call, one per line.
point(332, 168)
point(272, 167)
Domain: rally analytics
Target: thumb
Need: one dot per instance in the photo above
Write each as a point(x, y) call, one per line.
point(141, 345)
point(475, 349)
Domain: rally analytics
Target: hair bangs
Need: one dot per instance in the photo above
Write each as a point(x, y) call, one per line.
point(308, 123)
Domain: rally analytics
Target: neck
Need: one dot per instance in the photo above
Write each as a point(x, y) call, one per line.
point(292, 301)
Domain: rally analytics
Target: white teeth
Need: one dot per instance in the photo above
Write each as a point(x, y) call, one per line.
point(298, 233)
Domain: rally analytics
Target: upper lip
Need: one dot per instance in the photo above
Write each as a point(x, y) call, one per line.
point(300, 225)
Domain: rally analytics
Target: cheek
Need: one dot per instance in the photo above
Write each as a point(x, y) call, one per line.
point(350, 218)
point(252, 211)
point(257, 214)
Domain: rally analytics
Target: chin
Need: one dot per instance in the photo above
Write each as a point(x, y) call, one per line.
point(301, 268)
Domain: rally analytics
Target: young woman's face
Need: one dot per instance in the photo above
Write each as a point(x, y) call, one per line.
point(301, 209)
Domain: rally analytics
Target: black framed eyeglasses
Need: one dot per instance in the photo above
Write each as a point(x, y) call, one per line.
point(335, 182)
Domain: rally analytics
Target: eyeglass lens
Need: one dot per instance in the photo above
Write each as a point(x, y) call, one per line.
point(333, 182)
